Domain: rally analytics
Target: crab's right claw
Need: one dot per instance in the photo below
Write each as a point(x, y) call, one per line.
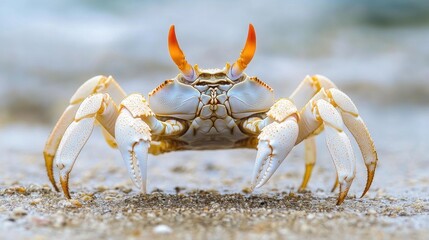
point(275, 143)
point(133, 138)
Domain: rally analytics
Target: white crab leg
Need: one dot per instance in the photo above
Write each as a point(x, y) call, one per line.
point(275, 141)
point(134, 127)
point(338, 144)
point(305, 91)
point(98, 107)
point(98, 84)
point(357, 127)
point(133, 137)
point(308, 88)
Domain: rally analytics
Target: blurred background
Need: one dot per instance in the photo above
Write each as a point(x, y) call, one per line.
point(375, 50)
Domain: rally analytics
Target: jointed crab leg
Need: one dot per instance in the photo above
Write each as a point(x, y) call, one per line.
point(310, 160)
point(302, 94)
point(98, 107)
point(319, 113)
point(338, 144)
point(325, 104)
point(98, 84)
point(276, 140)
point(133, 137)
point(134, 127)
point(357, 127)
point(312, 85)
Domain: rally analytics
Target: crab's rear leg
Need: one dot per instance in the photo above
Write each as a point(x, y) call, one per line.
point(322, 108)
point(98, 84)
point(98, 107)
point(302, 94)
point(357, 127)
point(306, 91)
point(310, 160)
point(338, 144)
point(134, 129)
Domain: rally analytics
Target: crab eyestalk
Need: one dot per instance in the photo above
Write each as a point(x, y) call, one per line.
point(246, 55)
point(178, 56)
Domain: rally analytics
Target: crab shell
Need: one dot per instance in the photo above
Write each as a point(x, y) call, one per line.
point(213, 105)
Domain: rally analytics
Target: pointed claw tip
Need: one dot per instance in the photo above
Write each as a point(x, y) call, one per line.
point(343, 193)
point(261, 183)
point(49, 163)
point(64, 179)
point(370, 178)
point(341, 197)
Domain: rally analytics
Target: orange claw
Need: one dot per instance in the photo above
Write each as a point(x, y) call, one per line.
point(370, 176)
point(49, 163)
point(65, 185)
point(246, 54)
point(178, 56)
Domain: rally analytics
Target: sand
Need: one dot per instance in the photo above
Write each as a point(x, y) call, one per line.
point(204, 195)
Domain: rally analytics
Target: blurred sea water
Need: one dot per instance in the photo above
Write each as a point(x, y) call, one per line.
point(376, 50)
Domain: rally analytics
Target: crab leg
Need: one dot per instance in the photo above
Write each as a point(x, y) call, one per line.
point(338, 144)
point(302, 94)
point(135, 125)
point(312, 86)
point(276, 140)
point(133, 137)
point(319, 112)
point(98, 107)
point(310, 160)
point(98, 84)
point(360, 132)
point(308, 88)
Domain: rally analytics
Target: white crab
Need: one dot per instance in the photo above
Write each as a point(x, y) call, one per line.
point(212, 109)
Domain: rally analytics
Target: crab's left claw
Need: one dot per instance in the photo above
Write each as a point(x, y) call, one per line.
point(133, 137)
point(275, 141)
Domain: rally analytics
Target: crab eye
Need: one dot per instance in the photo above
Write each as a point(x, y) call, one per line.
point(237, 79)
point(186, 80)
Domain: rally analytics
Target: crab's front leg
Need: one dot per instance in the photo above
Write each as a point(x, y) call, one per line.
point(135, 125)
point(95, 85)
point(278, 134)
point(99, 107)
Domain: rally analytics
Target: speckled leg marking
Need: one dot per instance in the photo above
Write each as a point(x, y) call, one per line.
point(276, 140)
point(98, 107)
point(309, 88)
point(135, 125)
point(357, 127)
point(338, 144)
point(98, 84)
point(330, 107)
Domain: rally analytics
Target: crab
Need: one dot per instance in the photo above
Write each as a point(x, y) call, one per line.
point(203, 109)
